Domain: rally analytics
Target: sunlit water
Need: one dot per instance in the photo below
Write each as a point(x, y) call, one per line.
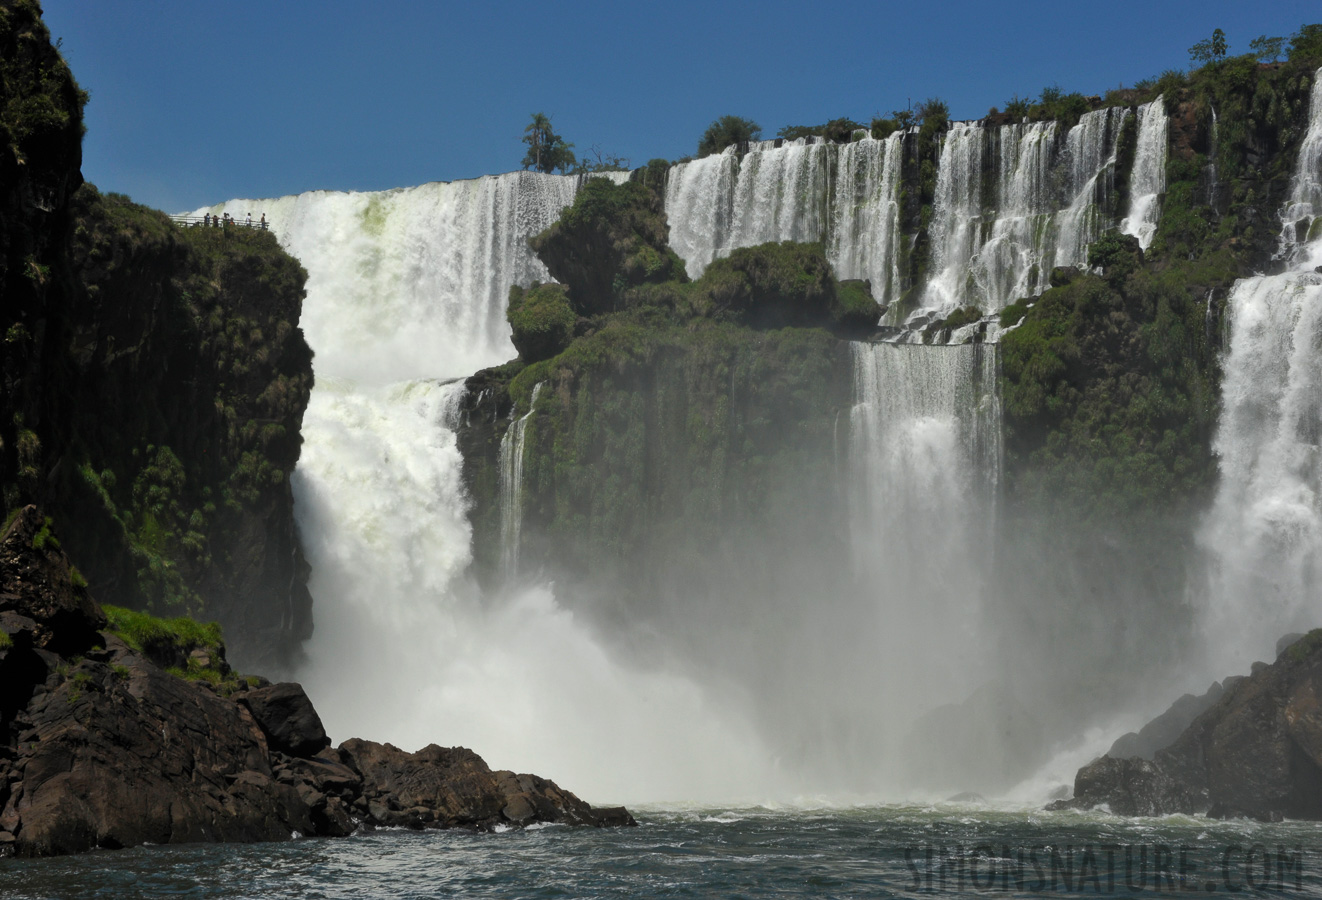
point(758, 852)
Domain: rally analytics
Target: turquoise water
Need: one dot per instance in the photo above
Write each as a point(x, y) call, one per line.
point(759, 852)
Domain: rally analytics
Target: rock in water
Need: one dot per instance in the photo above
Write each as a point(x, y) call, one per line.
point(1256, 752)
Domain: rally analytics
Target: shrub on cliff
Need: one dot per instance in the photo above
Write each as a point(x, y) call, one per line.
point(542, 320)
point(786, 284)
point(725, 131)
point(612, 238)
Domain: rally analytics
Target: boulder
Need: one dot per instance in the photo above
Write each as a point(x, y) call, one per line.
point(287, 718)
point(453, 787)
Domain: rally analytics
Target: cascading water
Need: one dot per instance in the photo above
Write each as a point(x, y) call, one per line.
point(865, 224)
point(1264, 532)
point(993, 241)
point(406, 287)
point(1305, 203)
point(511, 488)
point(926, 453)
point(1091, 150)
point(1147, 181)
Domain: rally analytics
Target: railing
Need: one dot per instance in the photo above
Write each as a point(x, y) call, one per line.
point(216, 222)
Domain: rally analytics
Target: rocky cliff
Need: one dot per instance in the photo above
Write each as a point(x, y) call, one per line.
point(154, 378)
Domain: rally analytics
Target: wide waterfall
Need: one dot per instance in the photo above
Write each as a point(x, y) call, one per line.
point(407, 289)
point(1011, 202)
point(1147, 181)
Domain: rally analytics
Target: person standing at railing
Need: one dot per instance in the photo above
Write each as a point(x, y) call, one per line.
point(248, 221)
point(206, 221)
point(263, 221)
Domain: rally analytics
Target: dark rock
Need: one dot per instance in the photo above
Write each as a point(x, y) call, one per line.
point(36, 582)
point(1162, 731)
point(440, 787)
point(1256, 752)
point(1131, 787)
point(287, 718)
point(113, 761)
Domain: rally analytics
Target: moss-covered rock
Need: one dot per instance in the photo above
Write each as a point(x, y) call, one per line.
point(612, 238)
point(541, 319)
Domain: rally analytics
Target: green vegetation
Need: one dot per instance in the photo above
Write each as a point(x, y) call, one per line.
point(1209, 50)
point(184, 647)
point(727, 131)
point(837, 131)
point(613, 238)
point(5, 640)
point(541, 319)
point(1305, 647)
point(149, 634)
point(547, 151)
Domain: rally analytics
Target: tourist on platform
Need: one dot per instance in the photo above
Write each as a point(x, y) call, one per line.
point(263, 221)
point(206, 221)
point(248, 221)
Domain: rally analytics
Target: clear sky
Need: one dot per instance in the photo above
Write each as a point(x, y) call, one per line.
point(196, 102)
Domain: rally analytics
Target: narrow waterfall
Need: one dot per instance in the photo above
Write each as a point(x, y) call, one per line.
point(1305, 203)
point(956, 216)
point(407, 288)
point(926, 455)
point(511, 487)
point(1264, 532)
point(865, 224)
point(700, 208)
point(1147, 181)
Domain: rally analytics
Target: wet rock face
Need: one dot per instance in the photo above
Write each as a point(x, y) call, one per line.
point(1256, 752)
point(37, 584)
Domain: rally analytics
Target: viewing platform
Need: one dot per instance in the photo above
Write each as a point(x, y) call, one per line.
point(215, 222)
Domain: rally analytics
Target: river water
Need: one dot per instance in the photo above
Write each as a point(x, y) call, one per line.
point(949, 849)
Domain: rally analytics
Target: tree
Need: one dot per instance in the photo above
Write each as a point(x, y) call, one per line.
point(1307, 41)
point(1266, 49)
point(725, 131)
point(1211, 49)
point(547, 151)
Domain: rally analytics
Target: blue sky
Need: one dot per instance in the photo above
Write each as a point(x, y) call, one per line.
point(198, 102)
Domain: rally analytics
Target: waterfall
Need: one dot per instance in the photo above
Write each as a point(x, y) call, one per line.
point(1091, 149)
point(1011, 202)
point(865, 224)
point(1264, 531)
point(1305, 202)
point(511, 487)
point(926, 455)
point(700, 207)
point(405, 289)
point(1147, 181)
point(956, 215)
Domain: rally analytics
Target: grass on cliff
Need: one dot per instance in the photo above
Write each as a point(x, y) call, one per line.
point(142, 631)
